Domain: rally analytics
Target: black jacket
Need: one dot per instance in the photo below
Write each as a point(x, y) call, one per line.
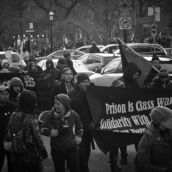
point(6, 109)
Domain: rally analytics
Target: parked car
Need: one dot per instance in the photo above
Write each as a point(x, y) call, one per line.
point(78, 66)
point(110, 48)
point(60, 53)
point(15, 58)
point(86, 48)
point(145, 49)
point(96, 61)
point(113, 71)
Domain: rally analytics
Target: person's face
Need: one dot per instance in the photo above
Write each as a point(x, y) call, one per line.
point(5, 65)
point(136, 76)
point(59, 107)
point(48, 65)
point(17, 89)
point(62, 65)
point(4, 96)
point(68, 76)
point(84, 84)
point(156, 64)
point(68, 56)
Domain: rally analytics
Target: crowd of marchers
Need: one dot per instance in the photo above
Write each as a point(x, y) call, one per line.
point(20, 135)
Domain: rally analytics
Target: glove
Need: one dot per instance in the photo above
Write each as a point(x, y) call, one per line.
point(44, 154)
point(77, 140)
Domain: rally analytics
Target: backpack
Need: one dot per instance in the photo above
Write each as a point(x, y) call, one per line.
point(18, 137)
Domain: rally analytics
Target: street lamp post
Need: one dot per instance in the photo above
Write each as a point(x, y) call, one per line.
point(51, 17)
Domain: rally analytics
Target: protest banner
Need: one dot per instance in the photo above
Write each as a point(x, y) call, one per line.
point(120, 115)
point(35, 82)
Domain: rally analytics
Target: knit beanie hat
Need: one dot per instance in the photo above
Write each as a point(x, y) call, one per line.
point(64, 99)
point(27, 100)
point(162, 115)
point(16, 82)
point(81, 77)
point(155, 57)
point(4, 61)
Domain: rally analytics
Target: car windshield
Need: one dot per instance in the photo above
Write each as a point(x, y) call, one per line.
point(113, 67)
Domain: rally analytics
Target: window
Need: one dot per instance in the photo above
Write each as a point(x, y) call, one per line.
point(113, 66)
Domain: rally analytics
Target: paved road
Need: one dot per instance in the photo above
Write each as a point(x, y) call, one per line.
point(98, 161)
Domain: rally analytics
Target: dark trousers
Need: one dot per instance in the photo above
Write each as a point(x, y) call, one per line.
point(26, 163)
point(113, 154)
point(60, 157)
point(4, 153)
point(84, 154)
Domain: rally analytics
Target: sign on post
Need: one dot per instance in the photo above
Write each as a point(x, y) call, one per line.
point(124, 23)
point(154, 29)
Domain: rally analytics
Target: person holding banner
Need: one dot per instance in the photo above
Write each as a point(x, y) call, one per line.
point(155, 147)
point(162, 80)
point(130, 77)
point(80, 105)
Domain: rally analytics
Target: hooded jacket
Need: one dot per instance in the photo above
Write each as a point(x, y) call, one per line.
point(129, 71)
point(155, 147)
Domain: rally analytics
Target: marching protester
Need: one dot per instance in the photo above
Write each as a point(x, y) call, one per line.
point(80, 105)
point(25, 55)
point(66, 84)
point(94, 48)
point(6, 109)
point(129, 80)
point(5, 66)
point(162, 80)
point(23, 138)
point(131, 75)
point(15, 88)
point(33, 68)
point(157, 67)
point(69, 62)
point(156, 62)
point(155, 147)
point(50, 74)
point(64, 142)
point(61, 64)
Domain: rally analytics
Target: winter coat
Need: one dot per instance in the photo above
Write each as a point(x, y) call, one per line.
point(80, 105)
point(155, 151)
point(129, 71)
point(60, 87)
point(157, 83)
point(31, 132)
point(66, 137)
point(6, 109)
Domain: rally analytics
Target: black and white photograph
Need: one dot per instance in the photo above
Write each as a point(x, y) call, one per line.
point(85, 85)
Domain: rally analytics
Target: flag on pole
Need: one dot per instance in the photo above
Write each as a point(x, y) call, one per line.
point(128, 55)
